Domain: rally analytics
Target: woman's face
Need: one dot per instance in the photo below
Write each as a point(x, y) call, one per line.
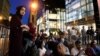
point(22, 11)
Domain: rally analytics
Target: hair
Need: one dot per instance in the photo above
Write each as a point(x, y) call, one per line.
point(18, 10)
point(78, 42)
point(40, 44)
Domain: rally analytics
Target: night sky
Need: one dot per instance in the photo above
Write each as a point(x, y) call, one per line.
point(16, 3)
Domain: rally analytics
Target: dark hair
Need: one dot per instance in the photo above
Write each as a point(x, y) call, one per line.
point(40, 44)
point(92, 43)
point(78, 42)
point(18, 10)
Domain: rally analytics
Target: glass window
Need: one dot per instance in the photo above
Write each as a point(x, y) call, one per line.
point(73, 15)
point(90, 0)
point(87, 1)
point(83, 2)
point(91, 6)
point(83, 9)
point(66, 16)
point(77, 5)
point(83, 15)
point(66, 2)
point(88, 7)
point(79, 16)
point(67, 10)
point(70, 9)
point(91, 13)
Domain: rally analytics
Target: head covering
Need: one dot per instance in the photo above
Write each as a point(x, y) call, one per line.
point(18, 11)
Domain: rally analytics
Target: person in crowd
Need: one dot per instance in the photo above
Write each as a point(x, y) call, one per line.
point(62, 50)
point(77, 50)
point(52, 47)
point(90, 33)
point(27, 41)
point(89, 51)
point(83, 33)
point(69, 34)
point(97, 32)
point(41, 49)
point(78, 33)
point(95, 48)
point(51, 37)
point(57, 47)
point(73, 35)
point(15, 39)
point(62, 38)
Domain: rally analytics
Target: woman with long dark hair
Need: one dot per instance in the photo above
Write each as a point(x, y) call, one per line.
point(15, 47)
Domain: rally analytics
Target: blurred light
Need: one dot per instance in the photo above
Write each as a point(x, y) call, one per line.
point(34, 5)
point(1, 17)
point(10, 18)
point(52, 16)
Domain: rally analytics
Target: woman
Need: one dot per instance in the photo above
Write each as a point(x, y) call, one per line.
point(15, 48)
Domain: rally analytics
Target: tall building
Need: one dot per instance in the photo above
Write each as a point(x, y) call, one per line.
point(4, 30)
point(52, 22)
point(53, 16)
point(4, 8)
point(79, 13)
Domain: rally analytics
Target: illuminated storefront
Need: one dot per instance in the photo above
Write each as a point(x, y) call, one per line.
point(55, 21)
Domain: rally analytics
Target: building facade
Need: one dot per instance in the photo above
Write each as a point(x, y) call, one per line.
point(79, 13)
point(4, 8)
point(4, 29)
point(52, 22)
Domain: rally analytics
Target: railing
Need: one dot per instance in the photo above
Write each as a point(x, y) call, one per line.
point(4, 40)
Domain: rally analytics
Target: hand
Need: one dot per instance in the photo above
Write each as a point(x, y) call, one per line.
point(25, 26)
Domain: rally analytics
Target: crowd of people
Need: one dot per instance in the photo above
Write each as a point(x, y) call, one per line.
point(25, 41)
point(59, 45)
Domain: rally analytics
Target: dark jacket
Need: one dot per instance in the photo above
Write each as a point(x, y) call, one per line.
point(15, 47)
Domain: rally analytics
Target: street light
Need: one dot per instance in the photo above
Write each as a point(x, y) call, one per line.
point(33, 13)
point(34, 5)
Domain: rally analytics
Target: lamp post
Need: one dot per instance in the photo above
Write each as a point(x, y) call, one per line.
point(33, 12)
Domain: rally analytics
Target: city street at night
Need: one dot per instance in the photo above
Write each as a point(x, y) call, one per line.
point(50, 28)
